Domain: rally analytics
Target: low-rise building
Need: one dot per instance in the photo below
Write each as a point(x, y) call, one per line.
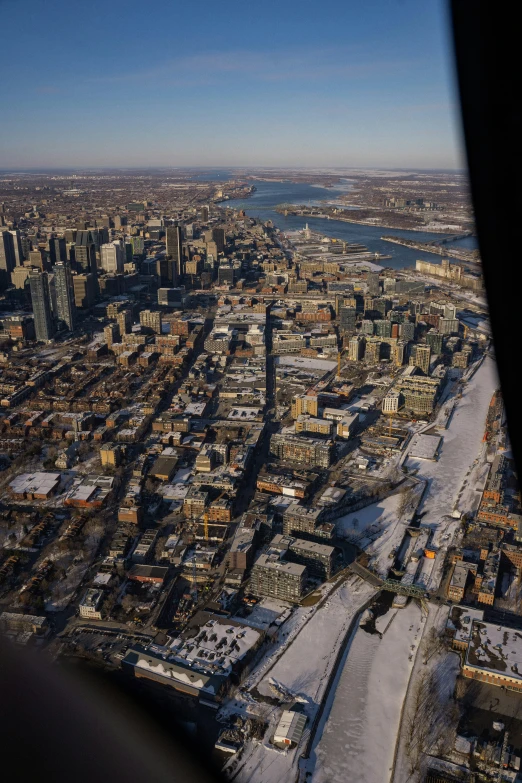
point(90, 605)
point(494, 655)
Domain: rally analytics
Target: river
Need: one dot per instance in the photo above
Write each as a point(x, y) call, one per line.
point(261, 204)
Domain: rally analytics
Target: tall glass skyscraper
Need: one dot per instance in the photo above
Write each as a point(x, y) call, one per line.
point(174, 254)
point(65, 307)
point(40, 295)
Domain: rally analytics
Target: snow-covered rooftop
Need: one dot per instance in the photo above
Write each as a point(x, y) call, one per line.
point(496, 649)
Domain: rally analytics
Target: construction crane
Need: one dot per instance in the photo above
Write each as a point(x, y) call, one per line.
point(338, 376)
point(206, 517)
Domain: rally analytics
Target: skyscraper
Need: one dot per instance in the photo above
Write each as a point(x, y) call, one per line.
point(7, 253)
point(138, 246)
point(84, 290)
point(65, 307)
point(112, 257)
point(40, 295)
point(85, 257)
point(204, 214)
point(218, 236)
point(57, 250)
point(18, 249)
point(174, 254)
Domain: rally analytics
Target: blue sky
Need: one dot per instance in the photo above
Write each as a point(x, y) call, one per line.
point(276, 83)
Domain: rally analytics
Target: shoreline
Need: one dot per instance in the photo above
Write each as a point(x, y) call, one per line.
point(421, 229)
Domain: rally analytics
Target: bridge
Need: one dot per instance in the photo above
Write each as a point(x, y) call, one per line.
point(402, 589)
point(452, 238)
point(391, 585)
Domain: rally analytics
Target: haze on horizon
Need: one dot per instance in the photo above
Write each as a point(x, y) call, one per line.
point(344, 85)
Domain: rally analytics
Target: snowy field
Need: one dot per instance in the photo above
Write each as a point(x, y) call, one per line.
point(357, 743)
point(378, 528)
point(453, 479)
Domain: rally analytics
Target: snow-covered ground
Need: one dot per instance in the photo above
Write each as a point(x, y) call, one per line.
point(454, 478)
point(438, 667)
point(303, 671)
point(378, 528)
point(357, 743)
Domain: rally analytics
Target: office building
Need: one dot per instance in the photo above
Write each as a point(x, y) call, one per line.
point(171, 297)
point(85, 257)
point(19, 276)
point(7, 252)
point(41, 299)
point(138, 246)
point(218, 236)
point(37, 259)
point(174, 255)
point(420, 357)
point(84, 291)
point(65, 307)
point(112, 257)
point(57, 250)
point(212, 254)
point(226, 274)
point(367, 327)
point(204, 214)
point(17, 246)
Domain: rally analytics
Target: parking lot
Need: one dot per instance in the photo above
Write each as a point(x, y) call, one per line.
point(111, 644)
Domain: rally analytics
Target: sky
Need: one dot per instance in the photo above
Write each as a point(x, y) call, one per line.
point(331, 83)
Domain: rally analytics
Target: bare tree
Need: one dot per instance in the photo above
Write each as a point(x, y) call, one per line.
point(432, 644)
point(128, 602)
point(405, 500)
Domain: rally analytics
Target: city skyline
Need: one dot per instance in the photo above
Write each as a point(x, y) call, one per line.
point(354, 87)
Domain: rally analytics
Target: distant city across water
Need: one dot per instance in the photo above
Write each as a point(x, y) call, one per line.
point(261, 204)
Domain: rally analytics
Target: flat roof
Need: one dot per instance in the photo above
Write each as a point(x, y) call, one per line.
point(290, 727)
point(461, 619)
point(273, 562)
point(425, 446)
point(496, 649)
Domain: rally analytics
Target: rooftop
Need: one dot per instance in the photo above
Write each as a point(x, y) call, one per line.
point(496, 649)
